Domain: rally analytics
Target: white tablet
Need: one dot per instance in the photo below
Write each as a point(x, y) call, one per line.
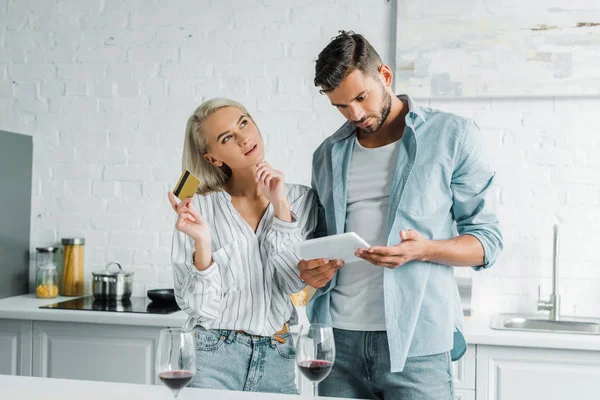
point(333, 247)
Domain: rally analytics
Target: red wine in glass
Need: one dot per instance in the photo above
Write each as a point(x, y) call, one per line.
point(176, 359)
point(315, 352)
point(315, 370)
point(176, 380)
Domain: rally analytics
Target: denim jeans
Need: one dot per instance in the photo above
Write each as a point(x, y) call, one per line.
point(237, 361)
point(362, 371)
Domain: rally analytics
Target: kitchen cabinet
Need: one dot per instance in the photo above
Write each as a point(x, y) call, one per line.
point(15, 347)
point(460, 394)
point(463, 372)
point(125, 353)
point(97, 352)
point(515, 373)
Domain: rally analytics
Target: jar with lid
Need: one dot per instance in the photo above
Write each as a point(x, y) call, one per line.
point(72, 282)
point(46, 276)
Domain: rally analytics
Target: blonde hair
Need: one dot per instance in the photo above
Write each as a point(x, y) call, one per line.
point(212, 178)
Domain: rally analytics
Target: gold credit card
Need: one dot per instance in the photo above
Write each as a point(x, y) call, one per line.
point(186, 186)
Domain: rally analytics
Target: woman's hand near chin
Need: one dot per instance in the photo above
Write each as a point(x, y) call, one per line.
point(272, 184)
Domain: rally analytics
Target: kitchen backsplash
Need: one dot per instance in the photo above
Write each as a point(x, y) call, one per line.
point(106, 94)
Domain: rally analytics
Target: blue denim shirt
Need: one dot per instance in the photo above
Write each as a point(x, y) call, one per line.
point(442, 187)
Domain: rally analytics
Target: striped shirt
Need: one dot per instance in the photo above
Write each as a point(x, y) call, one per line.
point(248, 286)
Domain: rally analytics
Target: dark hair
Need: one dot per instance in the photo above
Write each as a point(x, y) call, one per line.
point(345, 53)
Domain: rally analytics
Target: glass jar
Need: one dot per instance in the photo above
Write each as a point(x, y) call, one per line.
point(46, 277)
point(72, 282)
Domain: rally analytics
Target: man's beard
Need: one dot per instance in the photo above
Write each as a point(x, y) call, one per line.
point(382, 115)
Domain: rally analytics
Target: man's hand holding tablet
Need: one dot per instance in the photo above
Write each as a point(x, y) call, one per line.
point(332, 252)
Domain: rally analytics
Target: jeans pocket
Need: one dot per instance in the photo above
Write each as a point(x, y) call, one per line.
point(286, 350)
point(208, 340)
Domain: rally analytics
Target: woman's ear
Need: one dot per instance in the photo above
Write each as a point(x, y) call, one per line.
point(213, 161)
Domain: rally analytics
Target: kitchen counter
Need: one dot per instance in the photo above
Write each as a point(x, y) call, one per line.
point(21, 388)
point(477, 328)
point(26, 307)
point(478, 331)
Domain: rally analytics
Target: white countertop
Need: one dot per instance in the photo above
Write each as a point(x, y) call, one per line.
point(27, 307)
point(477, 328)
point(21, 388)
point(478, 331)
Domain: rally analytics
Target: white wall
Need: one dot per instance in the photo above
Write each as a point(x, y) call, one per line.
point(105, 87)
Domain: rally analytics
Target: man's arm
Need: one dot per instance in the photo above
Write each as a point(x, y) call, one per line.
point(474, 208)
point(461, 251)
point(480, 239)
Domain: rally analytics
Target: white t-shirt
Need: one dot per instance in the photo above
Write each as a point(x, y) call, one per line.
point(357, 300)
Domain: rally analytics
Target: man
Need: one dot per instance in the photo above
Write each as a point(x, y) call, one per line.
point(415, 184)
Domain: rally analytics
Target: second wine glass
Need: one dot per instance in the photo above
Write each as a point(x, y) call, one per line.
point(315, 352)
point(176, 359)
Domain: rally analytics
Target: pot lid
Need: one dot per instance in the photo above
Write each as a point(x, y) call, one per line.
point(46, 249)
point(73, 241)
point(107, 272)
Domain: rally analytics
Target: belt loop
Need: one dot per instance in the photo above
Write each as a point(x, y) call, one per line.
point(229, 337)
point(273, 341)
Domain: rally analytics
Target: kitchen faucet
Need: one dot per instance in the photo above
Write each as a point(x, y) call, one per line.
point(553, 304)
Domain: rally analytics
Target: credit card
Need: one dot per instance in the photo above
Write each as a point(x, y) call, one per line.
point(186, 186)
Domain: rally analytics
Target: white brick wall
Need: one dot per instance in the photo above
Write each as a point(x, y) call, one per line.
point(105, 87)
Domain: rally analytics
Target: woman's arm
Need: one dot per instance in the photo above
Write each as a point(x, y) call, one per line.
point(304, 221)
point(197, 280)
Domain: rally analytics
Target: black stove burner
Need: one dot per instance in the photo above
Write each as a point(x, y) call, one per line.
point(133, 305)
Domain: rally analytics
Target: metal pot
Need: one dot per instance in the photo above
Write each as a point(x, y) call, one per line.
point(112, 286)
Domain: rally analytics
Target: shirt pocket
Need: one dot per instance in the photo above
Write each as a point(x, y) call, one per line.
point(230, 260)
point(426, 191)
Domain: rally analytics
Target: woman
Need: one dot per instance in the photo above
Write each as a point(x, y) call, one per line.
point(232, 272)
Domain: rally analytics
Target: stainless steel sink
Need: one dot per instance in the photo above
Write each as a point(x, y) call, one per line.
point(541, 324)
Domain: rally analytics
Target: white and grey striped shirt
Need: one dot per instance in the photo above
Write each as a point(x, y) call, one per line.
point(248, 286)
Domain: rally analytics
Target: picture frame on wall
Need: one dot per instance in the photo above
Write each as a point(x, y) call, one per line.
point(508, 48)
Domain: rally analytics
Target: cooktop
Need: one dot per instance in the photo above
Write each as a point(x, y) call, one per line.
point(133, 305)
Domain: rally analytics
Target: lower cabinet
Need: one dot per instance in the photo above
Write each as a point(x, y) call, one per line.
point(118, 353)
point(514, 373)
point(460, 394)
point(463, 372)
point(15, 347)
point(96, 352)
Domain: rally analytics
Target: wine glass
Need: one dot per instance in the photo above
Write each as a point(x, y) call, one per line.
point(176, 359)
point(315, 352)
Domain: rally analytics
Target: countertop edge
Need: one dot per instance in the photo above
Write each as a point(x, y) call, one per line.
point(477, 329)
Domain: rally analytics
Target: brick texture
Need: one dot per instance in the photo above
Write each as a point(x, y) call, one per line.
point(105, 88)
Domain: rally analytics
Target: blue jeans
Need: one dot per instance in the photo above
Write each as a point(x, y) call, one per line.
point(362, 371)
point(237, 361)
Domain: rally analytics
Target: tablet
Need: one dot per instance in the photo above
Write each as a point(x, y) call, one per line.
point(333, 247)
